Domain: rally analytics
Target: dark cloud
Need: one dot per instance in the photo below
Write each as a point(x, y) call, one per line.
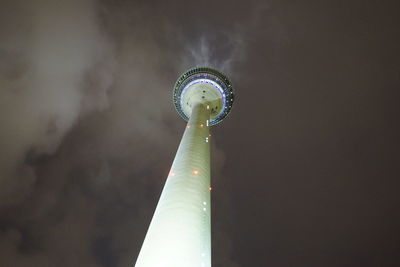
point(304, 169)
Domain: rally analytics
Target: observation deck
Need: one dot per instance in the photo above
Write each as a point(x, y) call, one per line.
point(203, 85)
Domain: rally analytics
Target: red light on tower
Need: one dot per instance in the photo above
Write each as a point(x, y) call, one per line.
point(195, 172)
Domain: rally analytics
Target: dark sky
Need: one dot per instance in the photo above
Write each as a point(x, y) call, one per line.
point(305, 169)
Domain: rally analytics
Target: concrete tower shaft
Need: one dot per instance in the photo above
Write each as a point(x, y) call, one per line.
point(180, 232)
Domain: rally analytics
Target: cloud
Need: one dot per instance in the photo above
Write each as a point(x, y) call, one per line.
point(47, 67)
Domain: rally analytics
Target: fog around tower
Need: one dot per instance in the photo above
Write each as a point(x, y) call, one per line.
point(304, 169)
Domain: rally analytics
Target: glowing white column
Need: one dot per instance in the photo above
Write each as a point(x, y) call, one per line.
point(179, 234)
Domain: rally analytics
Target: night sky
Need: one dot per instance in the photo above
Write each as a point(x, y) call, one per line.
point(305, 169)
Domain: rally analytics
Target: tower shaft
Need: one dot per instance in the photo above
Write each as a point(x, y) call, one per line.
point(179, 234)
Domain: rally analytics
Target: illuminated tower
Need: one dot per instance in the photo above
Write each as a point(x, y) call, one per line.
point(179, 234)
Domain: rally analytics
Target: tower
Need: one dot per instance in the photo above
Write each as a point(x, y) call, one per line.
point(179, 234)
